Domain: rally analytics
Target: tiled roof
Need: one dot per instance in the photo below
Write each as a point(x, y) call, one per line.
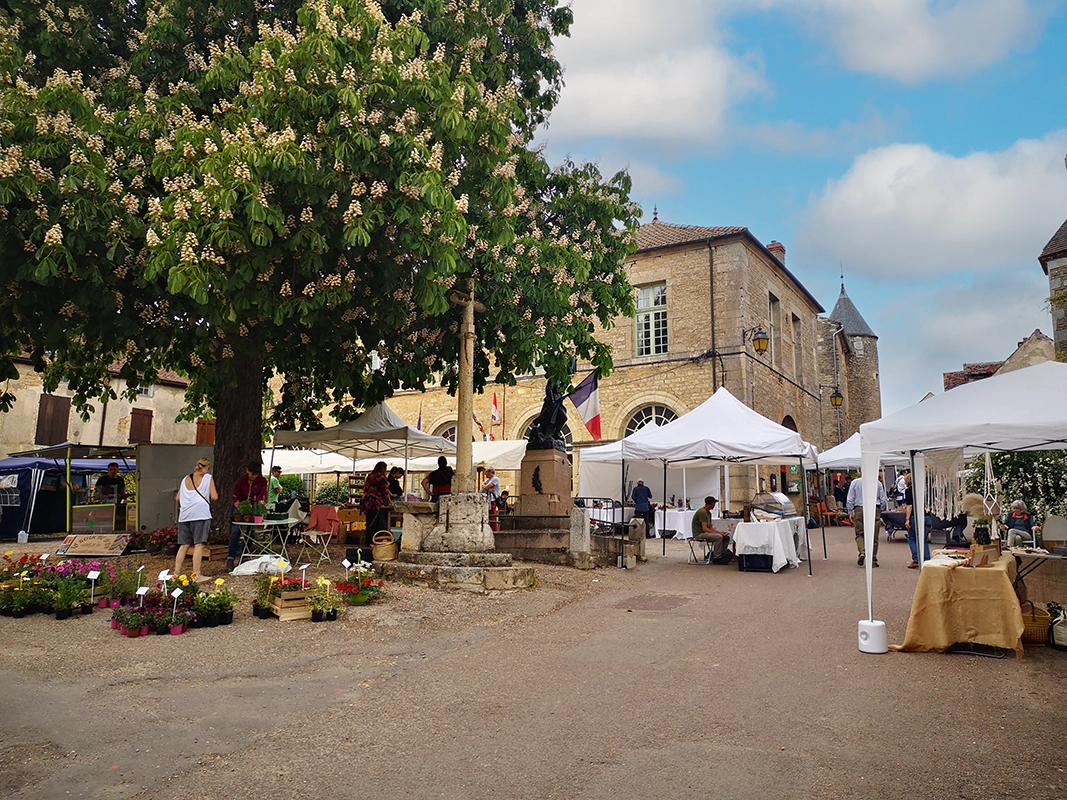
point(849, 318)
point(1057, 246)
point(971, 373)
point(660, 234)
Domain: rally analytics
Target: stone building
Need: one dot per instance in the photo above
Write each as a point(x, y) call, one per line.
point(1034, 349)
point(1053, 260)
point(40, 418)
point(702, 295)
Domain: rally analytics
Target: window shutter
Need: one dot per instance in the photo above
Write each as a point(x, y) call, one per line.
point(53, 416)
point(205, 431)
point(140, 426)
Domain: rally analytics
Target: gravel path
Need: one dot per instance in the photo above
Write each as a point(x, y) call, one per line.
point(668, 681)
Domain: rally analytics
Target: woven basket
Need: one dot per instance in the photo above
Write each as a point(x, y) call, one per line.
point(1035, 624)
point(383, 547)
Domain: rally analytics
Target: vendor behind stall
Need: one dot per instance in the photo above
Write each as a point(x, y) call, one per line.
point(110, 488)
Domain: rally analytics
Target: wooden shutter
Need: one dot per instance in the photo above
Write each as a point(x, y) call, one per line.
point(205, 431)
point(53, 416)
point(140, 426)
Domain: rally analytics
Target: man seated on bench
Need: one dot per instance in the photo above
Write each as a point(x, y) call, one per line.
point(703, 532)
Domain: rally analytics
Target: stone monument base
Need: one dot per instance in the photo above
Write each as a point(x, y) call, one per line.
point(545, 484)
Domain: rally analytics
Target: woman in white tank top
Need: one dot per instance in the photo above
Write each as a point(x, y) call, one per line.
point(195, 495)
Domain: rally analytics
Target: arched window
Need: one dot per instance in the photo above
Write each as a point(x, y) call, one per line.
point(788, 422)
point(568, 439)
point(447, 432)
point(660, 415)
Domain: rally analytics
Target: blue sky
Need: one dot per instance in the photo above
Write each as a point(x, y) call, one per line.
point(918, 144)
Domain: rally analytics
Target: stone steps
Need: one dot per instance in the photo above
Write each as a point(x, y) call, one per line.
point(477, 573)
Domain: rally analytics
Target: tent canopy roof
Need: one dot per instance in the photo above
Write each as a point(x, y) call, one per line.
point(80, 465)
point(377, 432)
point(1019, 410)
point(722, 428)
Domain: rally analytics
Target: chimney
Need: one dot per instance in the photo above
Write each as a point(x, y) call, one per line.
point(777, 250)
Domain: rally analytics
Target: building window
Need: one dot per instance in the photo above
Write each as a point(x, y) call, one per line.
point(53, 416)
point(774, 310)
point(652, 319)
point(660, 415)
point(798, 350)
point(145, 391)
point(448, 432)
point(140, 426)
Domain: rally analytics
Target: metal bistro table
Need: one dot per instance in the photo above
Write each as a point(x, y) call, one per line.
point(271, 541)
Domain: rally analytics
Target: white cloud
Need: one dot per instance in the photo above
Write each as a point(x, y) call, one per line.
point(911, 210)
point(644, 72)
point(925, 330)
point(914, 40)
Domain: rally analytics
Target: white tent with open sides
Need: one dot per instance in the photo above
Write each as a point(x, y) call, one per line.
point(1016, 411)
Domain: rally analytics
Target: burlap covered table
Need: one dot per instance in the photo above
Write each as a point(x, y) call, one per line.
point(956, 604)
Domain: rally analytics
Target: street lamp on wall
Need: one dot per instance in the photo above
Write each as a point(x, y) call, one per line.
point(759, 338)
point(836, 401)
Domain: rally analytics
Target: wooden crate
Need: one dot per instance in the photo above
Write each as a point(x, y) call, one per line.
point(291, 605)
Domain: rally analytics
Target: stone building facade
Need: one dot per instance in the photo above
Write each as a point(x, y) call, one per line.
point(39, 418)
point(702, 293)
point(1053, 260)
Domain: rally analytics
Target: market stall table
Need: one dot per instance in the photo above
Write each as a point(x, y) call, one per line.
point(614, 514)
point(955, 604)
point(679, 520)
point(268, 537)
point(774, 539)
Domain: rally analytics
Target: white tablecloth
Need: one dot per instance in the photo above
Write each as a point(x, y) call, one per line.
point(617, 514)
point(679, 520)
point(774, 539)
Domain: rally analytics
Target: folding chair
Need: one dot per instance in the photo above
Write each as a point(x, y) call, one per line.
point(322, 527)
point(705, 552)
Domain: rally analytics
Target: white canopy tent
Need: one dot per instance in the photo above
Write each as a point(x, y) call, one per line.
point(377, 433)
point(847, 455)
point(1015, 411)
point(505, 454)
point(306, 462)
point(721, 430)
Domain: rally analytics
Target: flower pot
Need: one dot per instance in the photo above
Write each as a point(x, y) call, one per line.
point(176, 630)
point(87, 608)
point(122, 630)
point(212, 620)
point(318, 616)
point(145, 630)
point(360, 599)
point(103, 602)
point(133, 633)
point(196, 622)
point(63, 613)
point(331, 615)
point(18, 613)
point(170, 550)
point(161, 630)
point(257, 519)
point(114, 602)
point(152, 547)
point(263, 612)
point(226, 618)
point(114, 624)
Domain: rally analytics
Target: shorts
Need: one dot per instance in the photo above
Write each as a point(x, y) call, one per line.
point(194, 531)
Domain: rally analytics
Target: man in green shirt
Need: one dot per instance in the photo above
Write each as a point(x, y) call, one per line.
point(274, 486)
point(703, 532)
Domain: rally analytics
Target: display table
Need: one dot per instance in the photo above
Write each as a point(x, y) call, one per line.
point(774, 539)
point(679, 520)
point(616, 514)
point(268, 537)
point(955, 604)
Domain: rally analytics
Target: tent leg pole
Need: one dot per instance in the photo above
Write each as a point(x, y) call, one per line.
point(804, 499)
point(664, 508)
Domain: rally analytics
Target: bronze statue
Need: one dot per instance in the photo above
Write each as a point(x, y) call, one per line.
point(546, 432)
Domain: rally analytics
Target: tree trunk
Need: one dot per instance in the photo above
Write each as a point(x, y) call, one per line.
point(238, 426)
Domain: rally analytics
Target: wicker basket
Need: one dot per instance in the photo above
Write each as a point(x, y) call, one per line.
point(383, 547)
point(1035, 624)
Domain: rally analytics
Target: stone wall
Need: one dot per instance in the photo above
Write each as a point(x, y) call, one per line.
point(18, 427)
point(1057, 283)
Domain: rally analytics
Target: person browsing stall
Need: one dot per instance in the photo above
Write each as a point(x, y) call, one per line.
point(643, 508)
point(855, 514)
point(396, 487)
point(195, 495)
point(251, 486)
point(376, 500)
point(439, 481)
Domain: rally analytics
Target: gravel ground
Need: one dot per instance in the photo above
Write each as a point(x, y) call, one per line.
point(668, 681)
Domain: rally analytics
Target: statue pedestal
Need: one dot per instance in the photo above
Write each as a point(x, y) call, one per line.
point(545, 484)
point(462, 525)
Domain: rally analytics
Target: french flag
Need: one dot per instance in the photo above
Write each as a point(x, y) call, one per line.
point(494, 412)
point(586, 399)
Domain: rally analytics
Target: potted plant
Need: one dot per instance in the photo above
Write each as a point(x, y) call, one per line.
point(244, 511)
point(224, 601)
point(981, 531)
point(262, 584)
point(318, 599)
point(177, 622)
point(334, 603)
point(68, 594)
point(259, 511)
point(20, 601)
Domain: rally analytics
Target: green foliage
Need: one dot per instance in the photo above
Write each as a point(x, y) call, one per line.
point(293, 486)
point(235, 190)
point(331, 493)
point(1038, 478)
